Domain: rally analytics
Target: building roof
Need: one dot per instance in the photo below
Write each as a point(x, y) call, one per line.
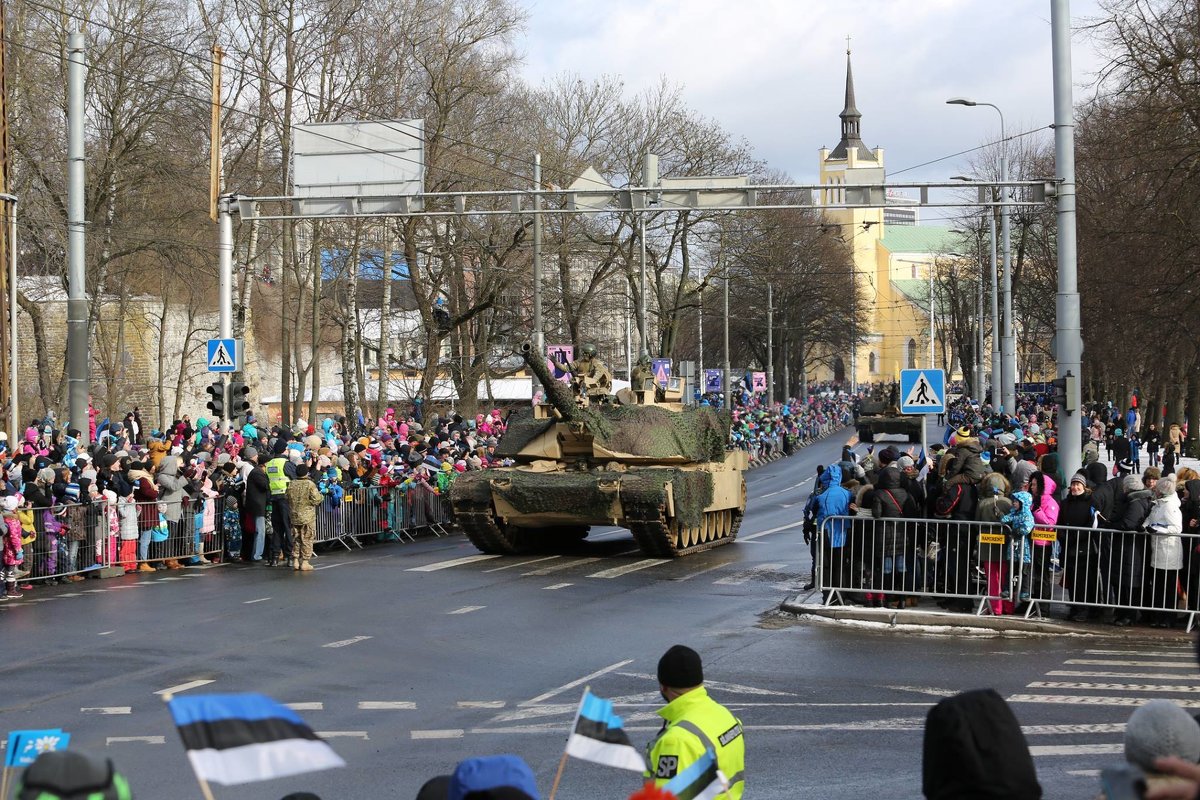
point(850, 123)
point(919, 239)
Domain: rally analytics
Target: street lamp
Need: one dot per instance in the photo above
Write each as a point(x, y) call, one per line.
point(1008, 342)
point(13, 416)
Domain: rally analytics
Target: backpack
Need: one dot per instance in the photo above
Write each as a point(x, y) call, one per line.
point(948, 500)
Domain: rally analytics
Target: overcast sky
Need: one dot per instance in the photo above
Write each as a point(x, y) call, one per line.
point(773, 71)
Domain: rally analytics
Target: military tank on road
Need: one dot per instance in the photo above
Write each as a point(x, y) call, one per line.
point(639, 460)
point(880, 415)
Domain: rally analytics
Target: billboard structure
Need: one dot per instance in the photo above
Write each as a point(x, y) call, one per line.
point(343, 168)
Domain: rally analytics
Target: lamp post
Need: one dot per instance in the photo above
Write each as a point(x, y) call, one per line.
point(13, 414)
point(1007, 340)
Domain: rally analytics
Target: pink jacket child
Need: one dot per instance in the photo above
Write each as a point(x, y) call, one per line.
point(13, 554)
point(1045, 507)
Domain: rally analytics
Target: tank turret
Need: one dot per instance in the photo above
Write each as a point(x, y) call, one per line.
point(661, 470)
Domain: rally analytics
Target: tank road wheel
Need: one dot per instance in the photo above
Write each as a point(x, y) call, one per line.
point(488, 532)
point(667, 538)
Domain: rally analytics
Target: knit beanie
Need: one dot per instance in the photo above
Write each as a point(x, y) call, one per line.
point(1161, 728)
point(680, 668)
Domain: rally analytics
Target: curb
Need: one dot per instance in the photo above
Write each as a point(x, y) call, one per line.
point(798, 606)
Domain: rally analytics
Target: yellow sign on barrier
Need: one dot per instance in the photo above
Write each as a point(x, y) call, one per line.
point(991, 538)
point(1041, 535)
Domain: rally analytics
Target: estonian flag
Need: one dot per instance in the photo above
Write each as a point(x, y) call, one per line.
point(599, 736)
point(700, 781)
point(240, 738)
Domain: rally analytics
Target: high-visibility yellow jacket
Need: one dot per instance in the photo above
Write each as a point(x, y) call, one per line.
point(276, 475)
point(695, 723)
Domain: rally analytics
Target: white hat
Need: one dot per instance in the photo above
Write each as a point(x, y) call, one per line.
point(10, 503)
point(1161, 728)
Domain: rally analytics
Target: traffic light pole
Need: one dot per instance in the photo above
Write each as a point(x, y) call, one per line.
point(225, 287)
point(1069, 342)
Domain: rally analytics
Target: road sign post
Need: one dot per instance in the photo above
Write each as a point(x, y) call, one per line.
point(923, 391)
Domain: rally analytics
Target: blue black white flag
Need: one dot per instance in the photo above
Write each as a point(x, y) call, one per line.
point(599, 736)
point(241, 738)
point(701, 781)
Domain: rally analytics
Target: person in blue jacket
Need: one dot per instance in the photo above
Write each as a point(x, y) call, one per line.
point(833, 500)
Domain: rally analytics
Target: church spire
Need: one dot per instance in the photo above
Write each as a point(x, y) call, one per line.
point(850, 119)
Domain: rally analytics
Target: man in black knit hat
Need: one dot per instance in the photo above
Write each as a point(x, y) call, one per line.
point(695, 724)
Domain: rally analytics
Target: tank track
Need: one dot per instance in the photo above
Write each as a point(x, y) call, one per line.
point(479, 524)
point(652, 530)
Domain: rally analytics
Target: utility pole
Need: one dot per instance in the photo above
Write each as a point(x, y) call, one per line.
point(539, 334)
point(77, 335)
point(997, 358)
point(1069, 341)
point(770, 347)
point(225, 207)
point(649, 180)
point(1008, 344)
point(700, 337)
point(8, 333)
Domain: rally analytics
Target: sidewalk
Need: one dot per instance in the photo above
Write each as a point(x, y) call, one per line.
point(932, 619)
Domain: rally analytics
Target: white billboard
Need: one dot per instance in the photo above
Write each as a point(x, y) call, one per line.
point(367, 167)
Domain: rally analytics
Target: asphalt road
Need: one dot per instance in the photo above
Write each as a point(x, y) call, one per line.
point(411, 657)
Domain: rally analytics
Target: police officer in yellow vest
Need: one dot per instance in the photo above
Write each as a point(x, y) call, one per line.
point(695, 724)
point(280, 472)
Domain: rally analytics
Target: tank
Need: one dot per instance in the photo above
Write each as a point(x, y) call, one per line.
point(880, 415)
point(640, 462)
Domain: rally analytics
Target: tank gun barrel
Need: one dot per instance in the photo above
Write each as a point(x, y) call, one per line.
point(556, 392)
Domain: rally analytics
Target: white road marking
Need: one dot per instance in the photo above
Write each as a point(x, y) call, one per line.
point(183, 687)
point(111, 740)
point(466, 609)
point(306, 706)
point(454, 562)
point(554, 586)
point(386, 705)
point(713, 568)
point(94, 591)
point(929, 690)
point(481, 704)
point(559, 690)
point(1090, 700)
point(340, 564)
point(1114, 687)
point(1165, 653)
point(106, 633)
point(252, 602)
point(788, 489)
point(521, 563)
point(741, 577)
point(1047, 730)
point(1154, 676)
point(345, 642)
point(343, 735)
point(625, 569)
point(107, 710)
point(1084, 773)
point(735, 688)
point(1099, 662)
point(1076, 749)
point(769, 531)
point(575, 562)
point(450, 733)
point(172, 578)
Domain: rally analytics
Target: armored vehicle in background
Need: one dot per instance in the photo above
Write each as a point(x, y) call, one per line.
point(635, 461)
point(879, 415)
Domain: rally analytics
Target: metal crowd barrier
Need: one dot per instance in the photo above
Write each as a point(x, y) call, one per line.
point(896, 561)
point(1132, 573)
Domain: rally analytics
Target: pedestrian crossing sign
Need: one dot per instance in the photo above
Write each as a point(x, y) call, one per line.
point(922, 391)
point(222, 355)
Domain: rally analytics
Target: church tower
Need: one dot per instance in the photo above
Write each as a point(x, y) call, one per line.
point(851, 163)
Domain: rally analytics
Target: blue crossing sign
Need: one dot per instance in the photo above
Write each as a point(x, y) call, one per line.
point(922, 391)
point(223, 355)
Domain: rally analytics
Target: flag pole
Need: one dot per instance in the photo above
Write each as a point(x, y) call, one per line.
point(562, 762)
point(204, 787)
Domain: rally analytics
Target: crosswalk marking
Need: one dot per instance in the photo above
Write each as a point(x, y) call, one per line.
point(558, 567)
point(1090, 700)
point(1049, 730)
point(386, 705)
point(107, 710)
point(454, 562)
point(1076, 749)
point(1165, 653)
point(521, 563)
point(466, 609)
point(306, 706)
point(625, 569)
point(555, 586)
point(450, 733)
point(1101, 662)
point(1153, 676)
point(1115, 687)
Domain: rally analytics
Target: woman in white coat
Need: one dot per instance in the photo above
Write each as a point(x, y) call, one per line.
point(1164, 525)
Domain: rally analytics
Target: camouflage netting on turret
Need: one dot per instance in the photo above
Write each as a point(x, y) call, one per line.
point(541, 492)
point(522, 429)
point(698, 434)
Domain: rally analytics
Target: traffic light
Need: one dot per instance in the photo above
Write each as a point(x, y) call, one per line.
point(239, 399)
point(1063, 391)
point(216, 402)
